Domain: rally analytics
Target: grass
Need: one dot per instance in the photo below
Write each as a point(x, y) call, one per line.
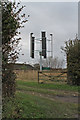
point(30, 106)
point(45, 91)
point(26, 105)
point(54, 85)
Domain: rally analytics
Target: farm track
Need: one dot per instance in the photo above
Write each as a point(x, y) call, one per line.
point(62, 92)
point(71, 97)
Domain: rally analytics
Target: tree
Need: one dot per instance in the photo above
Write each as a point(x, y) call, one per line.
point(11, 23)
point(53, 62)
point(72, 51)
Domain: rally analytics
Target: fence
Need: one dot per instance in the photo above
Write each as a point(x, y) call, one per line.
point(41, 76)
point(52, 75)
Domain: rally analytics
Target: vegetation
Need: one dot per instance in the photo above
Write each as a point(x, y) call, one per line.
point(55, 63)
point(54, 85)
point(32, 99)
point(40, 103)
point(72, 51)
point(11, 22)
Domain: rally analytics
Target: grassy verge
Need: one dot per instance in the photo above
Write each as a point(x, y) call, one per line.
point(46, 91)
point(26, 105)
point(30, 106)
point(53, 85)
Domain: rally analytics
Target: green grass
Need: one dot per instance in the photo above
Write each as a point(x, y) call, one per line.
point(30, 106)
point(26, 105)
point(38, 90)
point(53, 85)
point(44, 91)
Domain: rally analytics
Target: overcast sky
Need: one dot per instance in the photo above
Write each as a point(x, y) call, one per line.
point(59, 18)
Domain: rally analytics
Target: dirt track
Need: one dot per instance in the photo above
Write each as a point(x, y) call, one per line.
point(61, 98)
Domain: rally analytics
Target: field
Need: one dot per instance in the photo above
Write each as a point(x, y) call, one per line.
point(27, 75)
point(47, 100)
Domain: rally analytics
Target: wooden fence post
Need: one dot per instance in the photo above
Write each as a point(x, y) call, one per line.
point(38, 77)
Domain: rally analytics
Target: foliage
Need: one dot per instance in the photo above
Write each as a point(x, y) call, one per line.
point(11, 23)
point(72, 51)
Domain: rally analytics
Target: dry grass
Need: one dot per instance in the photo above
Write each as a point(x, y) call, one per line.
point(27, 75)
point(32, 75)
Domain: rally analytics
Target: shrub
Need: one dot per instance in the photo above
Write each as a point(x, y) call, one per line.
point(72, 50)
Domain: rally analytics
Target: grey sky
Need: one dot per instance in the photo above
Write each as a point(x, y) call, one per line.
point(59, 18)
point(79, 19)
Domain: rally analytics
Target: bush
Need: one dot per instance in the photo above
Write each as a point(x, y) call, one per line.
point(72, 50)
point(11, 22)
